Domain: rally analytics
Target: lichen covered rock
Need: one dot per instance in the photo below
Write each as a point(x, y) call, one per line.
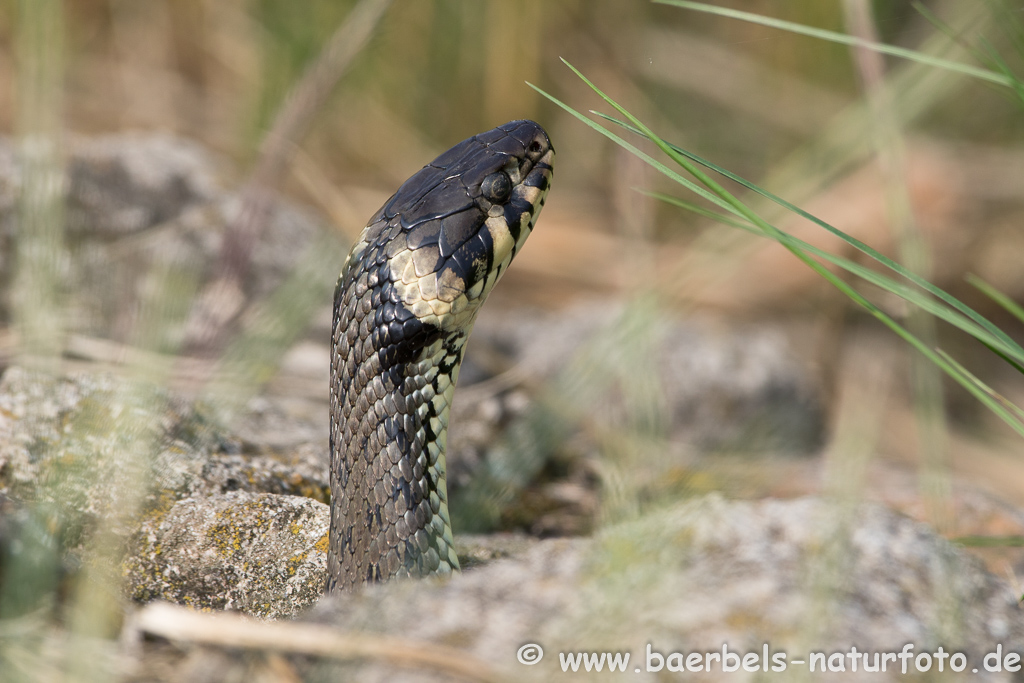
point(200, 520)
point(262, 554)
point(94, 448)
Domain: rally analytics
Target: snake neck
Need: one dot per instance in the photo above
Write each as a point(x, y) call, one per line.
point(389, 431)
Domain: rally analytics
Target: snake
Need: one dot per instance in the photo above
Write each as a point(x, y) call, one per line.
point(404, 306)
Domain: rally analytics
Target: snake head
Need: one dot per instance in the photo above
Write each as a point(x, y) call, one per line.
point(451, 230)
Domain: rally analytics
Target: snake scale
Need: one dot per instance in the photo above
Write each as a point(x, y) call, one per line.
point(404, 305)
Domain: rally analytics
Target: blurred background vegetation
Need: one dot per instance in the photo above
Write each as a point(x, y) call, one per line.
point(784, 110)
point(751, 98)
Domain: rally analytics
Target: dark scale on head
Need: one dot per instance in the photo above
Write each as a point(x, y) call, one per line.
point(403, 308)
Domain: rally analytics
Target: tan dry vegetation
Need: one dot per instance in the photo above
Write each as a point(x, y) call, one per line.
point(760, 102)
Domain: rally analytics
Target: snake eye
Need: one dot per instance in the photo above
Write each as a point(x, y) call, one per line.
point(497, 187)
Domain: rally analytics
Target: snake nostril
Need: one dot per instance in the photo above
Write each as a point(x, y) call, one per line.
point(535, 147)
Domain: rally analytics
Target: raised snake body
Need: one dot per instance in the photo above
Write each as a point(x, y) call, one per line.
point(404, 305)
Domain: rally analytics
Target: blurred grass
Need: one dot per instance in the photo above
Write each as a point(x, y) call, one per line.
point(439, 70)
point(40, 246)
point(718, 195)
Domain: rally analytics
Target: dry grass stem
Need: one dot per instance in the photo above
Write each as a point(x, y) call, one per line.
point(220, 302)
point(234, 631)
point(891, 157)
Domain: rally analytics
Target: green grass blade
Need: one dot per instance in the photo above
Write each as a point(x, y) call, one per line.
point(989, 57)
point(685, 182)
point(901, 290)
point(949, 32)
point(994, 396)
point(1008, 20)
point(835, 37)
point(745, 212)
point(997, 296)
point(989, 541)
point(989, 335)
point(849, 239)
point(701, 211)
point(1001, 65)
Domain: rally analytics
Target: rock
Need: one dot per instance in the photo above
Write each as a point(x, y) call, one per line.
point(722, 388)
point(92, 447)
point(202, 520)
point(301, 471)
point(550, 404)
point(85, 439)
point(131, 182)
point(702, 574)
point(261, 554)
point(145, 217)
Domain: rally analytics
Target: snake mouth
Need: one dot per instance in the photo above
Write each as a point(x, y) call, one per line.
point(528, 197)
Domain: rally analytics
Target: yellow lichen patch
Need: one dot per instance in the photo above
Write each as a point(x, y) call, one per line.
point(226, 539)
point(227, 536)
point(294, 561)
point(321, 545)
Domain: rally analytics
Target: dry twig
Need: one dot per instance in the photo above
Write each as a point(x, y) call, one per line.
point(235, 631)
point(223, 298)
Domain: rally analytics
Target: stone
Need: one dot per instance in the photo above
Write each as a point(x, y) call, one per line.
point(145, 216)
point(800, 575)
point(261, 554)
point(196, 516)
